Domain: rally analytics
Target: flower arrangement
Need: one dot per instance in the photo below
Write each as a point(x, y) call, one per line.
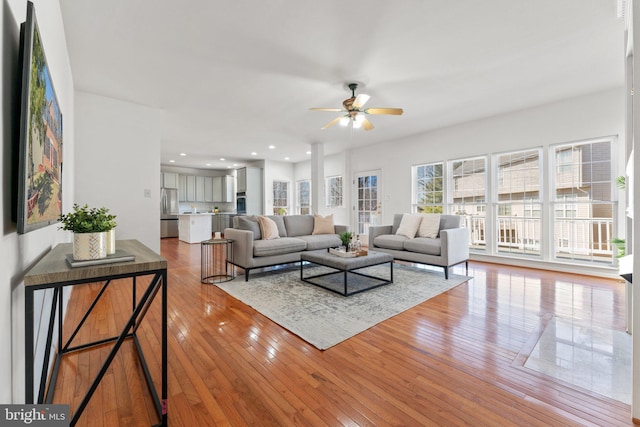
point(84, 219)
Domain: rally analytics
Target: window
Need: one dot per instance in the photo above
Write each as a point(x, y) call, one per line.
point(304, 197)
point(518, 223)
point(583, 201)
point(469, 195)
point(428, 188)
point(334, 192)
point(280, 197)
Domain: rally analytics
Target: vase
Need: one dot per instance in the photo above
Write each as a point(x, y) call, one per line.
point(111, 241)
point(87, 246)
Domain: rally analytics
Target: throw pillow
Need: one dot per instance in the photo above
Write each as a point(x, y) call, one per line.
point(323, 224)
point(409, 225)
point(429, 226)
point(268, 228)
point(249, 223)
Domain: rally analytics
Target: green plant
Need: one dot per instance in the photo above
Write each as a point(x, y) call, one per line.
point(84, 219)
point(345, 237)
point(620, 245)
point(621, 182)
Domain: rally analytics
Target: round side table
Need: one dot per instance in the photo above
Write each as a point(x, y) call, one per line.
point(215, 256)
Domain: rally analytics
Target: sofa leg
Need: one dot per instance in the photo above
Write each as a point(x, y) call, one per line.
point(446, 273)
point(466, 266)
point(246, 274)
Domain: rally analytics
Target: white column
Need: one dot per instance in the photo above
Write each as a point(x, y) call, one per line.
point(317, 178)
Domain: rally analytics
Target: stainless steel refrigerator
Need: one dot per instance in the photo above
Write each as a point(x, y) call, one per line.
point(169, 212)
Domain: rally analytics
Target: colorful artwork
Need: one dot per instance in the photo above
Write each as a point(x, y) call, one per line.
point(40, 194)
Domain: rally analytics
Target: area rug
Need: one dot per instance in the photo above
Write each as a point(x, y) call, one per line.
point(324, 318)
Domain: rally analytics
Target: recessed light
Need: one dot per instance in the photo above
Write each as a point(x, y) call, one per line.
point(308, 152)
point(183, 154)
point(222, 159)
point(172, 161)
point(253, 153)
point(235, 164)
point(272, 147)
point(208, 164)
point(229, 167)
point(286, 158)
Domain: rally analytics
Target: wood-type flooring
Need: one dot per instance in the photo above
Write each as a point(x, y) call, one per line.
point(455, 360)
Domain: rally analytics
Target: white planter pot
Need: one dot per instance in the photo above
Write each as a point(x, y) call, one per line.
point(111, 241)
point(89, 246)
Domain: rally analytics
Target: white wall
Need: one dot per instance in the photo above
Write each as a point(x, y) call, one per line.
point(19, 252)
point(334, 165)
point(278, 171)
point(117, 159)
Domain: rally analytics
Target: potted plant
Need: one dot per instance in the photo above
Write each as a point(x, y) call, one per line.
point(89, 227)
point(345, 237)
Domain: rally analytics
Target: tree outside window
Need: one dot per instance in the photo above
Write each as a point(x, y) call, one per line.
point(334, 192)
point(280, 197)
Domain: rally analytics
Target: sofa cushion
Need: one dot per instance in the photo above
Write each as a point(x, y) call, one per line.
point(423, 245)
point(409, 225)
point(321, 241)
point(390, 241)
point(268, 228)
point(323, 224)
point(279, 220)
point(283, 245)
point(298, 225)
point(429, 226)
point(397, 218)
point(249, 223)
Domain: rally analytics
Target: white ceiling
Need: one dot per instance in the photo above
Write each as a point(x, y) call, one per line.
point(234, 77)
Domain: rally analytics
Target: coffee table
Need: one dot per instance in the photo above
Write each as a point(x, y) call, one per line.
point(347, 267)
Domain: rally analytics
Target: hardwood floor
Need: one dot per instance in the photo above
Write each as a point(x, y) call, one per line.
point(456, 359)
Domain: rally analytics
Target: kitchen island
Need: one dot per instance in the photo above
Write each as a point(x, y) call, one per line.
point(194, 228)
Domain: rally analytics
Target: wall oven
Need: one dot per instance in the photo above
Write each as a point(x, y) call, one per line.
point(241, 203)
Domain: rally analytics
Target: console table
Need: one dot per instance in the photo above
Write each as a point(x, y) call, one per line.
point(53, 272)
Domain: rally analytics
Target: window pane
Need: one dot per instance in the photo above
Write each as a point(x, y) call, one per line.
point(517, 223)
point(583, 206)
point(469, 195)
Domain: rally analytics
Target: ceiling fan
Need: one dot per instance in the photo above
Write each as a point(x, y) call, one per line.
point(354, 111)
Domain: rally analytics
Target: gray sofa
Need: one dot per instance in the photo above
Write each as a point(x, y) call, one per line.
point(450, 247)
point(251, 251)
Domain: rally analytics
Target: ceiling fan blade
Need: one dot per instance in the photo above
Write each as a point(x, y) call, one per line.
point(393, 111)
point(366, 124)
point(331, 123)
point(327, 109)
point(361, 99)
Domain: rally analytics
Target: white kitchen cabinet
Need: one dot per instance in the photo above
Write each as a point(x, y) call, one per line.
point(182, 188)
point(228, 188)
point(217, 189)
point(169, 180)
point(191, 188)
point(241, 175)
point(209, 189)
point(199, 188)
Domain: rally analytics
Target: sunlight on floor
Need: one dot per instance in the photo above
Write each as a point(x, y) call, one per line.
point(587, 356)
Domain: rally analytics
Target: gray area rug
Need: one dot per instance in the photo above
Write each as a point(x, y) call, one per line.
point(324, 318)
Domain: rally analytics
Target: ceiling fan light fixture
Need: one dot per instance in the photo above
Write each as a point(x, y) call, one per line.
point(359, 118)
point(357, 124)
point(344, 121)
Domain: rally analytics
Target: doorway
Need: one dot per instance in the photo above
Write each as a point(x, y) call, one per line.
point(368, 204)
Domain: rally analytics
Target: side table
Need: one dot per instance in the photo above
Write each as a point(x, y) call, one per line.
point(215, 257)
point(53, 272)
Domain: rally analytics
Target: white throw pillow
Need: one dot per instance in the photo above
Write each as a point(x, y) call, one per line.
point(268, 228)
point(409, 225)
point(429, 226)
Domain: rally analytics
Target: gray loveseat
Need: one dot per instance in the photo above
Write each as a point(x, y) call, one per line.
point(295, 236)
point(450, 247)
